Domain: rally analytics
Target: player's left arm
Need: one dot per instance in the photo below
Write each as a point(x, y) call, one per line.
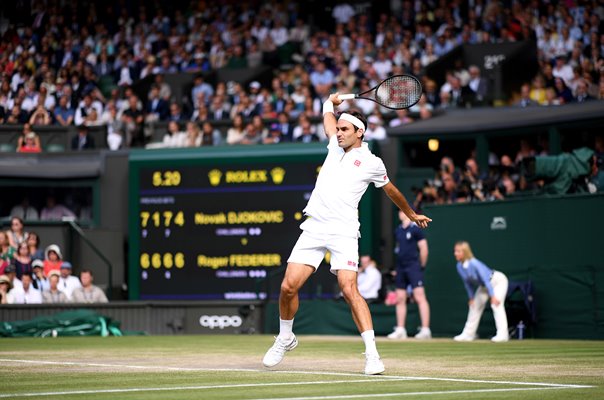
point(401, 202)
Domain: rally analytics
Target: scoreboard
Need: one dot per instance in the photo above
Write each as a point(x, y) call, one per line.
point(214, 224)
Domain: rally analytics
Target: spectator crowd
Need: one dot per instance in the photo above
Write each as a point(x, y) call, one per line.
point(31, 275)
point(76, 63)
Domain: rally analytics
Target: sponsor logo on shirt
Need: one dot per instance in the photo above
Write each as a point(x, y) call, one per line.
point(352, 263)
point(385, 177)
point(357, 163)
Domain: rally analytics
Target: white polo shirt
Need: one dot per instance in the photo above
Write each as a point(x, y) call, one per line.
point(342, 181)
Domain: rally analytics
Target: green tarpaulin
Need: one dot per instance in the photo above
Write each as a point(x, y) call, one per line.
point(68, 323)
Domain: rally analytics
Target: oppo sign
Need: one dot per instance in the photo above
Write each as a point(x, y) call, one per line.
point(220, 321)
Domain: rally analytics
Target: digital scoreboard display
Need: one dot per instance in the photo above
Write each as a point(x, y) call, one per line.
point(215, 225)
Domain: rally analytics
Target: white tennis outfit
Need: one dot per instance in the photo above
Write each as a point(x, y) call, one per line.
point(333, 223)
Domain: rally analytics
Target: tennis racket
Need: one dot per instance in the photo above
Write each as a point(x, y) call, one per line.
point(396, 92)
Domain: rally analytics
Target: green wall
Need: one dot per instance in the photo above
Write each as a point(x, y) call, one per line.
point(556, 242)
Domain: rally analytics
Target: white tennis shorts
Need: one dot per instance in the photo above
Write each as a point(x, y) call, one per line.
point(310, 249)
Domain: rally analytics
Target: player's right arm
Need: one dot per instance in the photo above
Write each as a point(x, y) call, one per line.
point(329, 119)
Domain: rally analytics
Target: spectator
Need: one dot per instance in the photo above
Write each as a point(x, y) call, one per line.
point(200, 86)
point(88, 293)
point(11, 272)
point(369, 279)
point(54, 211)
point(115, 126)
point(83, 140)
point(89, 111)
point(252, 135)
point(6, 252)
point(16, 233)
point(322, 79)
point(174, 137)
point(24, 210)
point(26, 294)
point(193, 135)
point(5, 287)
point(53, 295)
point(176, 113)
point(64, 115)
point(423, 108)
point(478, 86)
point(29, 145)
point(209, 135)
point(22, 260)
point(67, 282)
point(375, 130)
point(285, 127)
point(33, 241)
point(53, 259)
point(133, 119)
point(343, 13)
point(562, 70)
point(157, 108)
point(563, 92)
point(581, 94)
point(40, 116)
point(525, 97)
point(538, 90)
point(39, 280)
point(401, 118)
point(274, 135)
point(236, 133)
point(305, 132)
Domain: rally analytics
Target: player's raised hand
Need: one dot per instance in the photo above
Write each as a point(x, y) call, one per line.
point(335, 99)
point(421, 221)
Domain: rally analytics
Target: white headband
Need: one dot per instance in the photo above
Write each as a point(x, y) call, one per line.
point(353, 120)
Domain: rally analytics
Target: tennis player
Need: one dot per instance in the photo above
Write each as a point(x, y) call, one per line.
point(332, 225)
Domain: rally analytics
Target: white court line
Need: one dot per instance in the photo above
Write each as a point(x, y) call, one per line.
point(364, 396)
point(542, 386)
point(160, 389)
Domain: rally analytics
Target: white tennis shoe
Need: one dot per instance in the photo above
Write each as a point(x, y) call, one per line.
point(500, 338)
point(399, 333)
point(373, 364)
point(464, 338)
point(275, 354)
point(424, 334)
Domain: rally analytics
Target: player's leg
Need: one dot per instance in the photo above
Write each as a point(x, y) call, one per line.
point(296, 275)
point(347, 280)
point(305, 258)
point(344, 262)
point(500, 289)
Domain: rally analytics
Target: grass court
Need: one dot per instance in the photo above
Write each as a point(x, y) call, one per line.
point(322, 367)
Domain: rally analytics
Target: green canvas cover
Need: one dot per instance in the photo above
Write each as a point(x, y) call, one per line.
point(80, 322)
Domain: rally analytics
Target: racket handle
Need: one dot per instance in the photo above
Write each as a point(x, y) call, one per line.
point(347, 96)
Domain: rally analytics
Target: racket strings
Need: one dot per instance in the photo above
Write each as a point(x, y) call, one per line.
point(399, 92)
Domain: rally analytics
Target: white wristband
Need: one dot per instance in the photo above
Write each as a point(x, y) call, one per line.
point(328, 107)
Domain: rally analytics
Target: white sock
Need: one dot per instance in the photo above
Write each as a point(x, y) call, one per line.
point(286, 328)
point(369, 340)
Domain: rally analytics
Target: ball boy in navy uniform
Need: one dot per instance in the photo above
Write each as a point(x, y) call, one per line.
point(411, 258)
